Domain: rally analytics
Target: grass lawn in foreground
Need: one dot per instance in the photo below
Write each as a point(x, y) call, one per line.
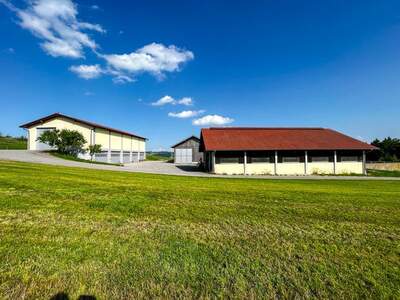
point(124, 235)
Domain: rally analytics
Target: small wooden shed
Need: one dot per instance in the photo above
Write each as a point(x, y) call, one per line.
point(187, 151)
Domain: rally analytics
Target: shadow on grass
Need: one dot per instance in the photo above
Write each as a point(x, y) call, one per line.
point(64, 296)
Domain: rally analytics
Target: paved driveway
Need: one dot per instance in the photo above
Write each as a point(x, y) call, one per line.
point(154, 167)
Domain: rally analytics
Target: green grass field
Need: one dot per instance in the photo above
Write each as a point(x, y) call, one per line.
point(117, 235)
point(11, 143)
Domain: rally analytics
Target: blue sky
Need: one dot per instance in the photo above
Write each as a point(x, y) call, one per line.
point(268, 63)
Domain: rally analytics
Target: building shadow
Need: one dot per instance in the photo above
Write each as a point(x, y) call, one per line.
point(189, 168)
point(64, 296)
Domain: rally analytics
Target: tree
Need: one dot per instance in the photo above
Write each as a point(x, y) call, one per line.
point(66, 141)
point(93, 149)
point(389, 149)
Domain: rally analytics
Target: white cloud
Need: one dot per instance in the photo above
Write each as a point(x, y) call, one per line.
point(210, 120)
point(153, 58)
point(170, 100)
point(87, 71)
point(94, 7)
point(88, 93)
point(164, 100)
point(55, 23)
point(185, 101)
point(186, 114)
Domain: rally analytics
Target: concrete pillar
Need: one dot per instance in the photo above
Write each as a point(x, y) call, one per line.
point(334, 162)
point(94, 141)
point(28, 137)
point(245, 163)
point(109, 147)
point(364, 163)
point(213, 162)
point(276, 163)
point(130, 153)
point(305, 162)
point(121, 151)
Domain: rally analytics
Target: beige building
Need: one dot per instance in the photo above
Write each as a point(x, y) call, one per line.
point(281, 151)
point(117, 146)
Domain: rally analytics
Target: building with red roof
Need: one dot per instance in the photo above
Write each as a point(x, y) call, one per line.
point(282, 151)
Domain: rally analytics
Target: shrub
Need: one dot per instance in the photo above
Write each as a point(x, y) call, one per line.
point(93, 149)
point(66, 141)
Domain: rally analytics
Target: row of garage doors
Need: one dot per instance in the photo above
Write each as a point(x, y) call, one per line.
point(115, 157)
point(183, 156)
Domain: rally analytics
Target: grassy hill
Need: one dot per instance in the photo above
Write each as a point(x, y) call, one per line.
point(12, 143)
point(116, 235)
point(163, 155)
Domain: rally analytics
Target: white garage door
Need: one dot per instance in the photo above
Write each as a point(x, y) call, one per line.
point(183, 156)
point(39, 145)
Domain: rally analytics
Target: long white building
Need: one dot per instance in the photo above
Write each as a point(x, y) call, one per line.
point(117, 146)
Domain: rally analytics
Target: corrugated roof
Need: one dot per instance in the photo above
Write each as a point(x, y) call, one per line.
point(189, 138)
point(250, 138)
point(91, 124)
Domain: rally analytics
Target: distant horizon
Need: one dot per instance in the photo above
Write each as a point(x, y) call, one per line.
point(166, 70)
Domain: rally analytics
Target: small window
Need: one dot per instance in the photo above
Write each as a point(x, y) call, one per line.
point(290, 159)
point(229, 157)
point(260, 157)
point(349, 158)
point(320, 159)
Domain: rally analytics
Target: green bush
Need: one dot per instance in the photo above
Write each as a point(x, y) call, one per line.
point(66, 141)
point(93, 149)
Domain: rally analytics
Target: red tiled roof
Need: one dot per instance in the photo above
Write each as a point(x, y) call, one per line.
point(91, 124)
point(247, 138)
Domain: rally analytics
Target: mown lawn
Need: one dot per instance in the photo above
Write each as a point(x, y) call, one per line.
point(120, 235)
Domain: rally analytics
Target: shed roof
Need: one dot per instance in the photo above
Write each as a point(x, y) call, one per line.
point(250, 138)
point(91, 124)
point(185, 140)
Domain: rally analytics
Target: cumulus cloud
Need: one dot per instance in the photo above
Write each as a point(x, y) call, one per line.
point(153, 58)
point(212, 120)
point(56, 24)
point(170, 100)
point(185, 101)
point(87, 71)
point(164, 100)
point(185, 114)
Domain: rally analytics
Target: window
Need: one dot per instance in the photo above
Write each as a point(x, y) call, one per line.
point(290, 159)
point(260, 157)
point(229, 157)
point(320, 156)
point(291, 156)
point(349, 156)
point(319, 159)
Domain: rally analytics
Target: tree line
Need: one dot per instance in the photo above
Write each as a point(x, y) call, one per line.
point(389, 150)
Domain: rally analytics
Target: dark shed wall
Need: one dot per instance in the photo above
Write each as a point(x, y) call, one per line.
point(194, 144)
